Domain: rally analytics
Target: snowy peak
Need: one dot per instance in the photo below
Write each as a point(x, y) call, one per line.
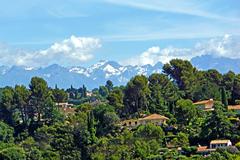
point(92, 76)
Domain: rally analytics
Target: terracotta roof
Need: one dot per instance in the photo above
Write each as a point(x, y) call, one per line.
point(204, 102)
point(218, 141)
point(150, 117)
point(235, 107)
point(154, 117)
point(202, 148)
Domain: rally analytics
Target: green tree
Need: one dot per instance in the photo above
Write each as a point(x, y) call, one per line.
point(39, 93)
point(21, 97)
point(109, 85)
point(11, 152)
point(115, 98)
point(59, 95)
point(7, 108)
point(217, 125)
point(136, 95)
point(61, 138)
point(6, 133)
point(106, 118)
point(224, 97)
point(157, 103)
point(103, 91)
point(183, 74)
point(185, 111)
point(84, 91)
point(236, 89)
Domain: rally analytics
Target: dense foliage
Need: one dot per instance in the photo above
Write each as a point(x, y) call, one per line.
point(33, 126)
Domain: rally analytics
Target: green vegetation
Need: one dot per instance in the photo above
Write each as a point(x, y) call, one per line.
point(33, 126)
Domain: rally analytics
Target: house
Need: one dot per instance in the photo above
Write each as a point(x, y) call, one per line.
point(204, 150)
point(206, 105)
point(67, 110)
point(235, 108)
point(64, 105)
point(214, 144)
point(89, 94)
point(153, 118)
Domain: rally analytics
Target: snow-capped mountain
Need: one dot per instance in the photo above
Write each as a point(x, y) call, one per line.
point(64, 77)
point(102, 71)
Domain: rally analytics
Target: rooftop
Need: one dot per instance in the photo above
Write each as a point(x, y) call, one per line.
point(154, 117)
point(220, 141)
point(202, 148)
point(203, 102)
point(235, 107)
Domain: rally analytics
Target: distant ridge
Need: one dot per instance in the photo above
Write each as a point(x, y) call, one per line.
point(102, 71)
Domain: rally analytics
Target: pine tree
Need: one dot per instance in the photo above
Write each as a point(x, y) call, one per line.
point(224, 97)
point(91, 127)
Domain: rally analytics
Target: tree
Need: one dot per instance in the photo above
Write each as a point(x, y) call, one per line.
point(213, 76)
point(107, 119)
point(115, 98)
point(84, 91)
point(157, 102)
point(228, 80)
point(11, 152)
point(217, 124)
point(224, 97)
point(59, 95)
point(205, 89)
point(61, 138)
point(7, 108)
point(39, 93)
point(183, 74)
point(21, 98)
point(109, 85)
point(236, 89)
point(6, 133)
point(42, 107)
point(163, 93)
point(103, 91)
point(185, 111)
point(136, 95)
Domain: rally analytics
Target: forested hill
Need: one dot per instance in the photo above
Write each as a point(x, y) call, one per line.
point(153, 117)
point(99, 73)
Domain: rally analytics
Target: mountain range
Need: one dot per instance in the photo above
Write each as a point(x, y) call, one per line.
point(102, 71)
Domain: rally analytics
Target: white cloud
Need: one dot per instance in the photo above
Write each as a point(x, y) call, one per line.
point(226, 46)
point(70, 51)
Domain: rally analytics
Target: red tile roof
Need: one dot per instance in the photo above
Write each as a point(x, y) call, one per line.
point(202, 148)
point(235, 107)
point(204, 102)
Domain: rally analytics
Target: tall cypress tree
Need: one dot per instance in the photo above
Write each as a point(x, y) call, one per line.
point(224, 97)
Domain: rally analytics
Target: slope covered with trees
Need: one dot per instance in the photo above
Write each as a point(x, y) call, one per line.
point(33, 126)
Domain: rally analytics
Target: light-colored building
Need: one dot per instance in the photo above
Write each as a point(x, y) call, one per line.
point(153, 118)
point(64, 105)
point(235, 108)
point(214, 144)
point(68, 110)
point(206, 105)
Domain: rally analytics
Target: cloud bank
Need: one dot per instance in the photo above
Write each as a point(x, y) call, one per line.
point(226, 46)
point(69, 51)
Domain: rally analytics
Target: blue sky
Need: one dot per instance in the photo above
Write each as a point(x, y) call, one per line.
point(124, 30)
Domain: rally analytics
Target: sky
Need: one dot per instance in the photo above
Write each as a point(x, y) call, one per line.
point(136, 32)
